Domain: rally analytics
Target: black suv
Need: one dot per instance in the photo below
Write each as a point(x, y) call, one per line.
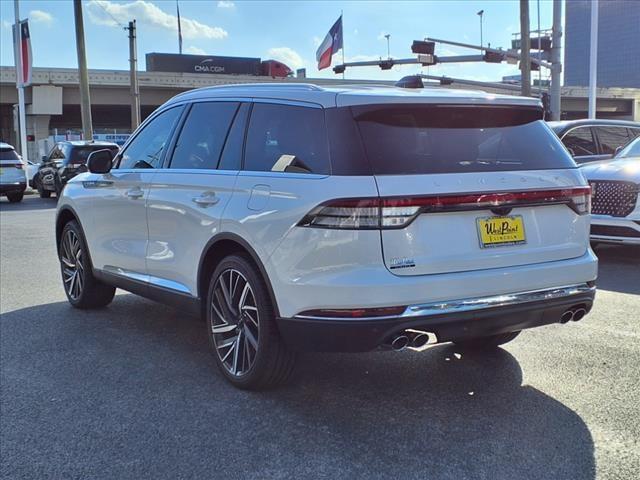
point(65, 161)
point(592, 140)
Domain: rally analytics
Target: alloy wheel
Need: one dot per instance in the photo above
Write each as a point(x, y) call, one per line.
point(235, 322)
point(72, 264)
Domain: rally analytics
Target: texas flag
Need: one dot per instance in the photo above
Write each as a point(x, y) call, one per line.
point(23, 50)
point(330, 45)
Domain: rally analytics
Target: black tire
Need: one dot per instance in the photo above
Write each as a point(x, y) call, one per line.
point(42, 192)
point(487, 343)
point(85, 291)
point(15, 197)
point(253, 314)
point(58, 189)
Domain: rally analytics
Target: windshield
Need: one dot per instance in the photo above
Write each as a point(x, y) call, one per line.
point(631, 150)
point(79, 155)
point(8, 154)
point(420, 139)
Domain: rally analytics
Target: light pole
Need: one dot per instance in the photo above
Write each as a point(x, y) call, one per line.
point(481, 15)
point(387, 36)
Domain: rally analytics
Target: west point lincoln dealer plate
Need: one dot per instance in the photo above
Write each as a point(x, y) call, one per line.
point(500, 231)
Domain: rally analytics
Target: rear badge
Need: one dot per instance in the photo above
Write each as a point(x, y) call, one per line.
point(401, 262)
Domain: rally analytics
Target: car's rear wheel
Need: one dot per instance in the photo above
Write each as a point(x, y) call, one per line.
point(244, 339)
point(42, 192)
point(487, 343)
point(15, 197)
point(82, 288)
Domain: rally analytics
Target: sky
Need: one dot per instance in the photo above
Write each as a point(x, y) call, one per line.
point(288, 31)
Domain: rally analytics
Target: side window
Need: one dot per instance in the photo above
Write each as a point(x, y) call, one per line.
point(634, 133)
point(287, 138)
point(145, 150)
point(203, 135)
point(580, 142)
point(611, 138)
point(232, 153)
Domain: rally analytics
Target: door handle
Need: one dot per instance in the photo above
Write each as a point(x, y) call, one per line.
point(135, 193)
point(206, 200)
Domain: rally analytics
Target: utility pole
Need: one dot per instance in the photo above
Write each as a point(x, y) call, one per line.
point(83, 74)
point(525, 60)
point(556, 63)
point(22, 119)
point(593, 59)
point(133, 76)
point(481, 14)
point(388, 36)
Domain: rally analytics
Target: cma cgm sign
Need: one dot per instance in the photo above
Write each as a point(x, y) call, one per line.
point(207, 66)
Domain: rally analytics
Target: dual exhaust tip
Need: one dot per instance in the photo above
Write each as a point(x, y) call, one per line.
point(411, 338)
point(573, 314)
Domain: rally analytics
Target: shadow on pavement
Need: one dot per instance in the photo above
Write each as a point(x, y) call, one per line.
point(30, 202)
point(619, 268)
point(131, 391)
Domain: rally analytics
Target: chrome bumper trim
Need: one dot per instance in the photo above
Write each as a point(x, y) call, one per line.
point(471, 304)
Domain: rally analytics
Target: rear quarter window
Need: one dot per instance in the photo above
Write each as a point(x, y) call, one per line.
point(422, 139)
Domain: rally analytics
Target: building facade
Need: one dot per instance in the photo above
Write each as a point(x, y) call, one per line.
point(618, 43)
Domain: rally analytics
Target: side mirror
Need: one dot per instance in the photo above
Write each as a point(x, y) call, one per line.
point(100, 161)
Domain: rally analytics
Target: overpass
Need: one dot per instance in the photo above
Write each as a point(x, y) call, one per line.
point(53, 101)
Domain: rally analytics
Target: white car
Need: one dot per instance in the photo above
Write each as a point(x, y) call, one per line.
point(615, 184)
point(13, 181)
point(294, 217)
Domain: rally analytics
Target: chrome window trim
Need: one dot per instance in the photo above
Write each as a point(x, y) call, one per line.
point(473, 304)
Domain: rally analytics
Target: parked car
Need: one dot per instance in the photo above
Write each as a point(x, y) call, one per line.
point(295, 217)
point(13, 181)
point(615, 184)
point(66, 160)
point(593, 140)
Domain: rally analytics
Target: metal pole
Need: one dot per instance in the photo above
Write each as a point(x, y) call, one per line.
point(22, 118)
point(387, 36)
point(593, 59)
point(539, 52)
point(556, 63)
point(525, 61)
point(83, 74)
point(481, 14)
point(133, 77)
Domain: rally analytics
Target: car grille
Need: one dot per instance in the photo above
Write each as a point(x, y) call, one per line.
point(614, 198)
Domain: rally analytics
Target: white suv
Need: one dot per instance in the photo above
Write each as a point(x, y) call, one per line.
point(294, 217)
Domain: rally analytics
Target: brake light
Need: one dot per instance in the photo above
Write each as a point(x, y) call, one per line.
point(18, 166)
point(398, 212)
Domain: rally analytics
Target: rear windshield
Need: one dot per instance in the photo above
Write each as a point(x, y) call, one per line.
point(79, 155)
point(8, 154)
point(419, 139)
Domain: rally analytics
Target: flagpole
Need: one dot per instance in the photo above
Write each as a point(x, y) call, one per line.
point(179, 29)
point(342, 22)
point(22, 119)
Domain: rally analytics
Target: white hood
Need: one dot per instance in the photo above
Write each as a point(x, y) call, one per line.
point(625, 169)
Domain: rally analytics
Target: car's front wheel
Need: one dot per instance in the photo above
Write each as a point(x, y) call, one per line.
point(487, 343)
point(82, 288)
point(241, 325)
point(15, 197)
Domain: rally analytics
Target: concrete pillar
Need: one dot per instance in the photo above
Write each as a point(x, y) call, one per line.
point(38, 126)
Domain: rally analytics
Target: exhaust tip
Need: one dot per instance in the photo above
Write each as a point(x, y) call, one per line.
point(578, 314)
point(567, 316)
point(420, 340)
point(400, 343)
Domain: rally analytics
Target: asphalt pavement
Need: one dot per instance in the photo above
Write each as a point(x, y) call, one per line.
point(131, 391)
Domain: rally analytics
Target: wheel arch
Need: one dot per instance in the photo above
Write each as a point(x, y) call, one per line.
point(219, 247)
point(64, 216)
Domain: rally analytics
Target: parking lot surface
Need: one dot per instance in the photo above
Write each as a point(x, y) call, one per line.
point(131, 391)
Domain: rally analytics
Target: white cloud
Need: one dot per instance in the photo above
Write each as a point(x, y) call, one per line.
point(6, 24)
point(105, 12)
point(40, 16)
point(317, 41)
point(226, 4)
point(195, 50)
point(288, 56)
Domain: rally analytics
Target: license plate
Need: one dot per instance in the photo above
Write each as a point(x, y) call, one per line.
point(501, 231)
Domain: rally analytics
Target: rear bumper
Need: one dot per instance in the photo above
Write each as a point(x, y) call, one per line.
point(449, 321)
point(15, 187)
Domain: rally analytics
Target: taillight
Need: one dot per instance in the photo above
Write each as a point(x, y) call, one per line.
point(18, 166)
point(378, 312)
point(398, 212)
